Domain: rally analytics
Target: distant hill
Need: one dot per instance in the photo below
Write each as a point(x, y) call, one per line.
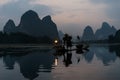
point(101, 34)
point(115, 38)
point(105, 31)
point(32, 25)
point(88, 34)
point(10, 27)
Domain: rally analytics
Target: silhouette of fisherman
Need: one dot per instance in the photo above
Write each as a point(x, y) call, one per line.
point(67, 41)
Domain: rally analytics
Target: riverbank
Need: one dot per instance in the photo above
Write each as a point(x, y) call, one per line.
point(26, 45)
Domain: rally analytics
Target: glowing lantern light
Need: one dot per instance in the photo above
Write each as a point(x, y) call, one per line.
point(56, 41)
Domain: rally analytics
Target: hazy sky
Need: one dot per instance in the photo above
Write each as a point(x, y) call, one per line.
point(71, 16)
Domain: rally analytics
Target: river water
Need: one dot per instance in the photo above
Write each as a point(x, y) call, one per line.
point(99, 63)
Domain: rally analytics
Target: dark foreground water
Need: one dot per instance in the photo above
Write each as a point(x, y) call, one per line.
point(99, 63)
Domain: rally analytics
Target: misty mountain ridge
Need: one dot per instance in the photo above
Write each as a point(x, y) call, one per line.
point(32, 25)
point(101, 34)
point(10, 27)
point(88, 34)
point(105, 31)
point(115, 38)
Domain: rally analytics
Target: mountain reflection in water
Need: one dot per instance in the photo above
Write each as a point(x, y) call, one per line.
point(32, 63)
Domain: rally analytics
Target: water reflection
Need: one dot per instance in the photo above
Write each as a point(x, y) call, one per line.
point(33, 62)
point(30, 64)
point(36, 62)
point(116, 49)
point(89, 55)
point(105, 54)
point(9, 61)
point(67, 55)
point(67, 59)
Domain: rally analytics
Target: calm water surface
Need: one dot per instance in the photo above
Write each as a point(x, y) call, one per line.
point(99, 63)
